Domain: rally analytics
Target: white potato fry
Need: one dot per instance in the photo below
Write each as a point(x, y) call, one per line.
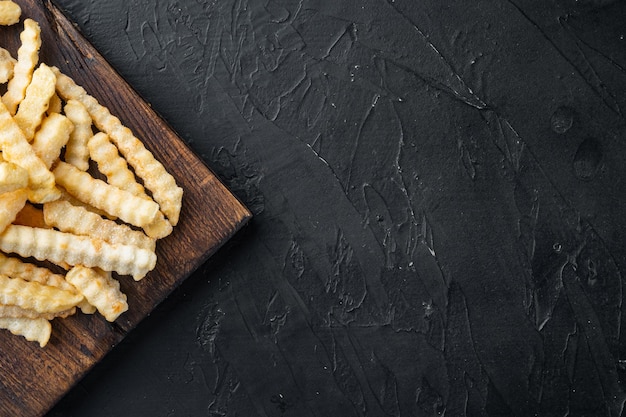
point(119, 203)
point(80, 221)
point(16, 268)
point(50, 139)
point(112, 165)
point(35, 103)
point(159, 228)
point(100, 289)
point(27, 57)
point(10, 13)
point(11, 203)
point(7, 63)
point(34, 330)
point(56, 246)
point(15, 148)
point(35, 296)
point(12, 177)
point(15, 311)
point(76, 152)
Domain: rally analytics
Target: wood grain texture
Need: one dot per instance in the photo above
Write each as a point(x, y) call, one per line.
point(33, 379)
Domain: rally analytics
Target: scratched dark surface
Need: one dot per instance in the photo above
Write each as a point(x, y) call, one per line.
point(439, 190)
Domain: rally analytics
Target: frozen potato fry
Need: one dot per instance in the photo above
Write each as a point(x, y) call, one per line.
point(50, 139)
point(112, 165)
point(76, 151)
point(65, 196)
point(55, 105)
point(10, 205)
point(100, 289)
point(155, 177)
point(119, 203)
point(12, 177)
point(33, 330)
point(15, 148)
point(16, 268)
point(159, 228)
point(15, 311)
point(35, 102)
point(80, 221)
point(27, 57)
point(7, 63)
point(35, 296)
point(55, 246)
point(10, 13)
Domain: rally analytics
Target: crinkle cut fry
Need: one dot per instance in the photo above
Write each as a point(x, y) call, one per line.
point(15, 148)
point(51, 137)
point(15, 311)
point(80, 221)
point(7, 63)
point(76, 151)
point(27, 57)
point(155, 177)
point(16, 268)
point(38, 93)
point(12, 177)
point(11, 203)
point(112, 165)
point(119, 203)
point(33, 330)
point(10, 13)
point(100, 289)
point(57, 247)
point(35, 296)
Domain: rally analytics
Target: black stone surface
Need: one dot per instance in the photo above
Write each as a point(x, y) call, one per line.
point(439, 190)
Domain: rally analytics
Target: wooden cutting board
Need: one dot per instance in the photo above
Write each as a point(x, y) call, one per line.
point(33, 379)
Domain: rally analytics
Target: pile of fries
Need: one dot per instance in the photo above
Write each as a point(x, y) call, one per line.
point(81, 198)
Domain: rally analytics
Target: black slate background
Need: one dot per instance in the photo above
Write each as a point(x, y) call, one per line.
point(439, 190)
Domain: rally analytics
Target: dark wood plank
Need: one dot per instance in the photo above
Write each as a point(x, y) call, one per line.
point(33, 379)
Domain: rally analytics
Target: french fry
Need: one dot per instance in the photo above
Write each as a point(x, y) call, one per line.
point(10, 13)
point(65, 196)
point(27, 57)
point(15, 148)
point(159, 228)
point(119, 203)
point(55, 105)
point(55, 246)
point(155, 177)
point(16, 268)
point(15, 311)
point(76, 151)
point(12, 177)
point(112, 165)
point(51, 137)
point(80, 221)
point(35, 102)
point(34, 330)
point(7, 63)
point(35, 296)
point(100, 289)
point(10, 205)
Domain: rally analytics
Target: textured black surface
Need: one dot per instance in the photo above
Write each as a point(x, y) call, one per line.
point(439, 190)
